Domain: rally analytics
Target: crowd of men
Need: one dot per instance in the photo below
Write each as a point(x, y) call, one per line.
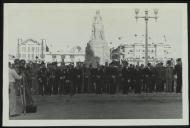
point(109, 79)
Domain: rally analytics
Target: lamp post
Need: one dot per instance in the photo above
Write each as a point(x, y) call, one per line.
point(146, 17)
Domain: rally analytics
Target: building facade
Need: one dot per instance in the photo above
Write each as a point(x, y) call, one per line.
point(73, 55)
point(31, 50)
point(135, 53)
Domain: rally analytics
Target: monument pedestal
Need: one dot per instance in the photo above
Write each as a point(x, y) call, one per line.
point(100, 53)
point(97, 50)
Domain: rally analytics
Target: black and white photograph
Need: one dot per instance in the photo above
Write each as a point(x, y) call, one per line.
point(95, 64)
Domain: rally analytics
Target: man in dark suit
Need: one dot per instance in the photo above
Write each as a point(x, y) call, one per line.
point(178, 72)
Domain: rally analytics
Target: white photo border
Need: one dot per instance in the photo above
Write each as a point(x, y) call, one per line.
point(103, 122)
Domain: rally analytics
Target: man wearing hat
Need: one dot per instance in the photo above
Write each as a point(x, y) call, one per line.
point(178, 73)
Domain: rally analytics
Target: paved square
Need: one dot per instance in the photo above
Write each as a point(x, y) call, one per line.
point(104, 106)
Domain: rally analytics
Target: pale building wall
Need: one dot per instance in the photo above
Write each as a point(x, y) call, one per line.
point(29, 49)
point(134, 53)
point(69, 57)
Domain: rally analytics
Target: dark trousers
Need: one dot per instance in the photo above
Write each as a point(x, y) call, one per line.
point(86, 85)
point(48, 88)
point(71, 88)
point(179, 86)
point(131, 84)
point(66, 87)
point(42, 85)
point(104, 86)
point(150, 85)
point(125, 86)
point(153, 82)
point(28, 96)
point(172, 85)
point(91, 88)
point(107, 86)
point(138, 85)
point(162, 85)
point(78, 85)
point(55, 87)
point(51, 85)
point(98, 86)
point(61, 86)
point(146, 84)
point(113, 86)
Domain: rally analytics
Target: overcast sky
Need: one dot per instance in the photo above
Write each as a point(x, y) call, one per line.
point(65, 25)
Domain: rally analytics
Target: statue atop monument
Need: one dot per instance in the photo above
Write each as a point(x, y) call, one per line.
point(97, 27)
point(97, 51)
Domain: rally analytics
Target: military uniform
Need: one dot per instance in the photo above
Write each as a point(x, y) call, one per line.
point(86, 82)
point(42, 80)
point(90, 83)
point(93, 79)
point(147, 73)
point(62, 76)
point(120, 80)
point(78, 79)
point(104, 79)
point(56, 83)
point(153, 78)
point(131, 78)
point(107, 79)
point(138, 80)
point(51, 80)
point(69, 82)
point(126, 76)
point(98, 80)
point(113, 78)
point(169, 78)
point(160, 78)
point(178, 72)
point(29, 76)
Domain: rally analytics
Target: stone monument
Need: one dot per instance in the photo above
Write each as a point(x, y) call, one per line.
point(97, 50)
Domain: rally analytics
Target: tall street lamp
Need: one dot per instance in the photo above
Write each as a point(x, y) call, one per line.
point(146, 18)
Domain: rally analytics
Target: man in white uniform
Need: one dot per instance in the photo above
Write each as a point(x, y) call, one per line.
point(13, 110)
